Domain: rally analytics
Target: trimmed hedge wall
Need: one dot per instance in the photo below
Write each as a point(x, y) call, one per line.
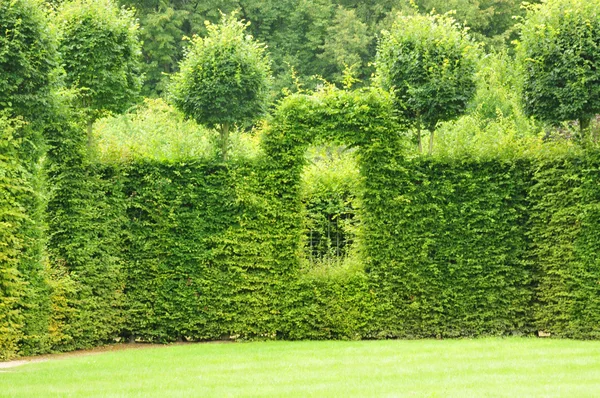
point(86, 230)
point(25, 304)
point(12, 213)
point(205, 250)
point(203, 262)
point(565, 245)
point(448, 249)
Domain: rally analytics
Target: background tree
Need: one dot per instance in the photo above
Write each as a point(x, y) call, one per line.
point(559, 53)
point(490, 21)
point(301, 34)
point(346, 44)
point(100, 52)
point(27, 58)
point(161, 36)
point(223, 79)
point(429, 64)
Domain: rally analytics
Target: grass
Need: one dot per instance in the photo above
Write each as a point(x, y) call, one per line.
point(514, 367)
point(156, 131)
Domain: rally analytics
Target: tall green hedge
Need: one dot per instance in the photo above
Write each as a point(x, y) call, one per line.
point(447, 254)
point(85, 217)
point(12, 215)
point(204, 249)
point(198, 266)
point(25, 304)
point(565, 234)
point(27, 61)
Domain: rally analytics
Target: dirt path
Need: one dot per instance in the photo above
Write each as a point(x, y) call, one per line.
point(94, 351)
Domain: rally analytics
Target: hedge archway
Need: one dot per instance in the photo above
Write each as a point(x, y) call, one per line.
point(443, 242)
point(364, 119)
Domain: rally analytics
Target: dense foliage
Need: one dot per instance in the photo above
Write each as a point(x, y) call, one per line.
point(428, 64)
point(155, 130)
point(329, 193)
point(150, 234)
point(27, 57)
point(12, 215)
point(314, 37)
point(560, 56)
point(100, 51)
point(450, 254)
point(224, 79)
point(27, 63)
point(565, 240)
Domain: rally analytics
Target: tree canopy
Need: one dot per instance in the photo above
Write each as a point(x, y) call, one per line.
point(559, 53)
point(27, 57)
point(428, 63)
point(224, 78)
point(312, 37)
point(100, 50)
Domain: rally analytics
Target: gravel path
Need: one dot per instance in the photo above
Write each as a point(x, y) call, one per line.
point(94, 351)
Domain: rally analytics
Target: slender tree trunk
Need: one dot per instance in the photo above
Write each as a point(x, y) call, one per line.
point(419, 137)
point(90, 136)
point(224, 140)
point(431, 141)
point(584, 125)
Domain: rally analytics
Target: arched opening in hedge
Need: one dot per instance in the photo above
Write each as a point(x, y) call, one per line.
point(362, 119)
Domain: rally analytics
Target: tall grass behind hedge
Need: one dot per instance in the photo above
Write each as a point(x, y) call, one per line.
point(154, 130)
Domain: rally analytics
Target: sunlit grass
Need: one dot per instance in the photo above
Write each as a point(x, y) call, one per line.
point(515, 367)
point(156, 131)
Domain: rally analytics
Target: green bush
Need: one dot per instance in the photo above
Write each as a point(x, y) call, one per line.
point(224, 79)
point(12, 214)
point(85, 216)
point(183, 274)
point(27, 59)
point(559, 52)
point(100, 54)
point(447, 252)
point(162, 250)
point(27, 63)
point(428, 64)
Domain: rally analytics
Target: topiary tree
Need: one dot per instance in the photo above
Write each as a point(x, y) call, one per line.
point(223, 79)
point(101, 55)
point(559, 54)
point(27, 57)
point(428, 63)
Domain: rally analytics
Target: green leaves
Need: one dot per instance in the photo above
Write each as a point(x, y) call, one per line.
point(446, 244)
point(27, 57)
point(101, 55)
point(428, 64)
point(565, 239)
point(13, 215)
point(224, 78)
point(559, 57)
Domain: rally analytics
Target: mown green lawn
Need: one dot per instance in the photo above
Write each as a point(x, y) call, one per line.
point(515, 367)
